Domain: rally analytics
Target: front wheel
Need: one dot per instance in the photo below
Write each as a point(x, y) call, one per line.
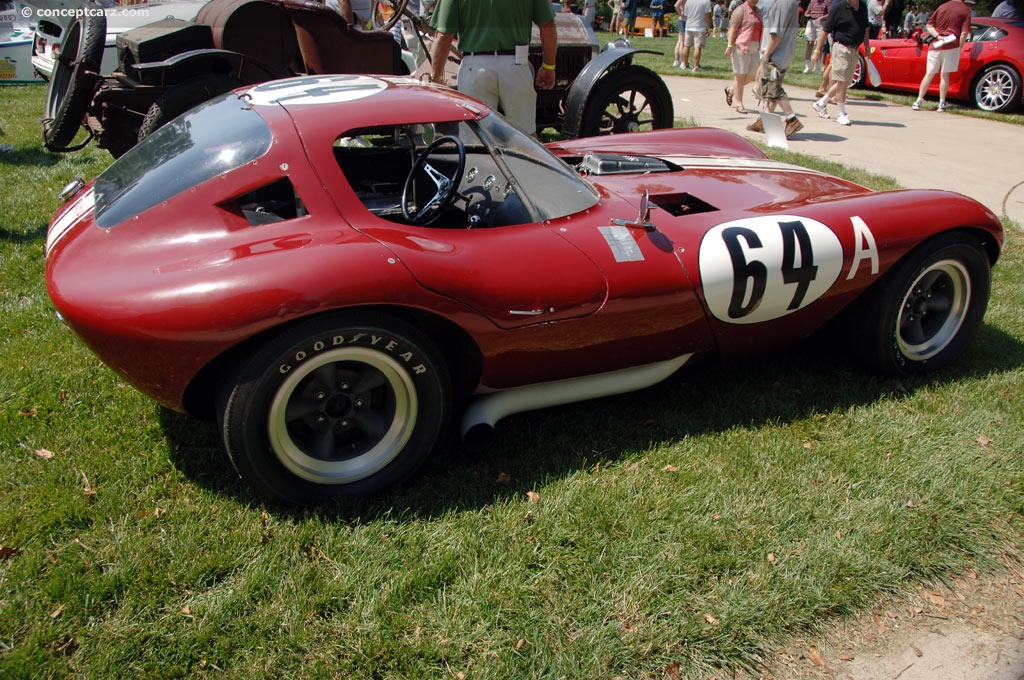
point(76, 70)
point(628, 99)
point(336, 406)
point(924, 313)
point(997, 89)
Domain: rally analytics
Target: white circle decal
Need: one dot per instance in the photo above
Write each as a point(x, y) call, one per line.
point(315, 90)
point(763, 268)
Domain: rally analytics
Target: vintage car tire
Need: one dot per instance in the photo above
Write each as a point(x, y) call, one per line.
point(997, 88)
point(182, 97)
point(629, 80)
point(924, 312)
point(369, 390)
point(73, 82)
point(383, 20)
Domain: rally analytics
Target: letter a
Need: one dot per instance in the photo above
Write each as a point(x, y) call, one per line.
point(864, 247)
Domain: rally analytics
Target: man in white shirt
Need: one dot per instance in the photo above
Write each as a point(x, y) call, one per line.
point(698, 22)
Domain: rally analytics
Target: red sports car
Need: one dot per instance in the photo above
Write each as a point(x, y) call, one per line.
point(991, 64)
point(337, 268)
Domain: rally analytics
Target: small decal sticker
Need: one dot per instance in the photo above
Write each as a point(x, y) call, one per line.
point(763, 268)
point(624, 246)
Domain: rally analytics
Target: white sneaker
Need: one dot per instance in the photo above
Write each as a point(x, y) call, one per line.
point(843, 119)
point(821, 109)
point(916, 105)
point(942, 107)
point(675, 63)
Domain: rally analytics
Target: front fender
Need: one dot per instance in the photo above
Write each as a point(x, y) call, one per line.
point(579, 91)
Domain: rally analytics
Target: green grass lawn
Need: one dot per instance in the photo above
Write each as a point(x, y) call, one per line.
point(696, 522)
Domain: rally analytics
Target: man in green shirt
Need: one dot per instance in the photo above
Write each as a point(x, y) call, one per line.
point(493, 69)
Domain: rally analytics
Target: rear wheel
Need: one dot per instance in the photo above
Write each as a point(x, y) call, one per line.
point(860, 71)
point(997, 88)
point(75, 75)
point(628, 99)
point(926, 310)
point(335, 406)
point(180, 98)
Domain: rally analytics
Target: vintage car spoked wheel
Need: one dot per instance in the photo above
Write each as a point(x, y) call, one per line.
point(335, 406)
point(75, 74)
point(387, 13)
point(925, 311)
point(629, 99)
point(998, 88)
point(443, 187)
point(177, 100)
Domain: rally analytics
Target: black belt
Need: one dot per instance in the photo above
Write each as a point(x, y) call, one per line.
point(490, 53)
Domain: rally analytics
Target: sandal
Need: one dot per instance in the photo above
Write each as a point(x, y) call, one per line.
point(741, 109)
point(728, 97)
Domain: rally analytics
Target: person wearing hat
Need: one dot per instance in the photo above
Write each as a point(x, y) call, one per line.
point(950, 25)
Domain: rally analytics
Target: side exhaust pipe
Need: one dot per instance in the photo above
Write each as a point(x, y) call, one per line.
point(486, 410)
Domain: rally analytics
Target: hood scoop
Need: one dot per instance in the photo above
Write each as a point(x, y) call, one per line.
point(622, 164)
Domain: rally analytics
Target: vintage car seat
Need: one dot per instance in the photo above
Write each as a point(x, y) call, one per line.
point(258, 29)
point(329, 44)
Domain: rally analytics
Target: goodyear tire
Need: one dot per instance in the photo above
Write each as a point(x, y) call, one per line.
point(75, 75)
point(925, 311)
point(627, 99)
point(180, 98)
point(346, 405)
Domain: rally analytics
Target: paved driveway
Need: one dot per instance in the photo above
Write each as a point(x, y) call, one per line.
point(920, 149)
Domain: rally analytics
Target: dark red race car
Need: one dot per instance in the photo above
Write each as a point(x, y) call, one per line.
point(991, 64)
point(340, 267)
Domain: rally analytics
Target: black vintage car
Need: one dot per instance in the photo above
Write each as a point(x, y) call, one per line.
point(168, 66)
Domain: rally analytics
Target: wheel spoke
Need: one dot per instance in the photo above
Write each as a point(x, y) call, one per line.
point(323, 443)
point(913, 331)
point(374, 423)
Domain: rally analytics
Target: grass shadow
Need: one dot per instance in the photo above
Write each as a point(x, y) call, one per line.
point(532, 449)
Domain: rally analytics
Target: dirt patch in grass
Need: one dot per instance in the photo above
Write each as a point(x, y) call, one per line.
point(968, 627)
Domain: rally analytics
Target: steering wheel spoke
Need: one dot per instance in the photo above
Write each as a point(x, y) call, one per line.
point(446, 187)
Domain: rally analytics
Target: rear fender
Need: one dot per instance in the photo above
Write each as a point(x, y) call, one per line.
point(579, 91)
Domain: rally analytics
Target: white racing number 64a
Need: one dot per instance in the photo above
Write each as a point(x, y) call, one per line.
point(763, 268)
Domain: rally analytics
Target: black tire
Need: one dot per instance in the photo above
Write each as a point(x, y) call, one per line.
point(628, 99)
point(997, 88)
point(924, 312)
point(182, 97)
point(387, 13)
point(346, 405)
point(73, 83)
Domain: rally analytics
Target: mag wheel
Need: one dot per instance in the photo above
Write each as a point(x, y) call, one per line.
point(75, 74)
point(348, 405)
point(998, 89)
point(628, 99)
point(922, 315)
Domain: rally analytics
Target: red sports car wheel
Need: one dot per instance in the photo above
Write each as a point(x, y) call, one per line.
point(335, 406)
point(922, 315)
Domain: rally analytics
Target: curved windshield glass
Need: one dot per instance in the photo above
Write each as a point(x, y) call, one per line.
point(551, 187)
point(217, 136)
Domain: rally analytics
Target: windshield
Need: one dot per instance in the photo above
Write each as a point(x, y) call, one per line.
point(551, 187)
point(211, 139)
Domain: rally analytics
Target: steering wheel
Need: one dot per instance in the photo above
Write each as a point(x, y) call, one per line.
point(447, 187)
